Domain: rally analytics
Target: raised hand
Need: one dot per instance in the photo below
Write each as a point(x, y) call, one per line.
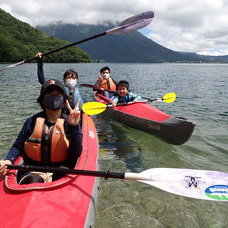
point(113, 103)
point(39, 55)
point(74, 114)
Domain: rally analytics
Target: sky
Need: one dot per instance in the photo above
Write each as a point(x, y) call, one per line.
point(199, 26)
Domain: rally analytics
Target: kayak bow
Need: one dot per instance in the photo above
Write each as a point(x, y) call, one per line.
point(67, 202)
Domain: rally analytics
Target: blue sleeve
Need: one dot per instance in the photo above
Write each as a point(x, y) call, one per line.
point(138, 98)
point(40, 71)
point(116, 99)
point(134, 97)
point(74, 134)
point(77, 95)
point(17, 148)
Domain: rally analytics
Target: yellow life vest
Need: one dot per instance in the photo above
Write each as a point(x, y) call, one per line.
point(47, 145)
point(107, 84)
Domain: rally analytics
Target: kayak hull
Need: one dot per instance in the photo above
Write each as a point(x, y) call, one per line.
point(142, 116)
point(68, 202)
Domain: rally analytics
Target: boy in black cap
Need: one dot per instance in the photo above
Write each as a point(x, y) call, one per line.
point(48, 138)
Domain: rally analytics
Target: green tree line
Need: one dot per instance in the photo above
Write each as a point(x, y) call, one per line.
point(20, 41)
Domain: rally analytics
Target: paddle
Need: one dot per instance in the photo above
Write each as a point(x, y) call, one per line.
point(131, 24)
point(97, 88)
point(94, 107)
point(167, 98)
point(199, 184)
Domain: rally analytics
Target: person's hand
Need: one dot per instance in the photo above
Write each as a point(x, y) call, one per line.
point(74, 114)
point(3, 168)
point(39, 55)
point(113, 103)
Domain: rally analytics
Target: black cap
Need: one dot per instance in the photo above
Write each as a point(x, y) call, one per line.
point(51, 83)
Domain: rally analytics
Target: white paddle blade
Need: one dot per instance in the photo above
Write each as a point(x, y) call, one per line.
point(199, 184)
point(133, 23)
point(13, 65)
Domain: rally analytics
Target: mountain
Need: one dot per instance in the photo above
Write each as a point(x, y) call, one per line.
point(131, 47)
point(19, 41)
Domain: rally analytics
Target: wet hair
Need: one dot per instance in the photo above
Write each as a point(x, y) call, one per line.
point(71, 73)
point(123, 83)
point(104, 68)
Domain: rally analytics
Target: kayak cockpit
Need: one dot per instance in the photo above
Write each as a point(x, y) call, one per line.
point(11, 181)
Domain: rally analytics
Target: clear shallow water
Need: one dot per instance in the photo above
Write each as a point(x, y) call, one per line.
point(202, 98)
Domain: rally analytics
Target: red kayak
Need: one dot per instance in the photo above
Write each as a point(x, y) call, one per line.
point(67, 202)
point(143, 116)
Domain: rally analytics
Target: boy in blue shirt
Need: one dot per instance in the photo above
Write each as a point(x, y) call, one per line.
point(124, 96)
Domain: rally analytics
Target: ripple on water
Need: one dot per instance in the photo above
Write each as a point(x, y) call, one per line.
point(201, 90)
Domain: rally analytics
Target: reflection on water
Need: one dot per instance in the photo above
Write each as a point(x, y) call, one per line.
point(133, 204)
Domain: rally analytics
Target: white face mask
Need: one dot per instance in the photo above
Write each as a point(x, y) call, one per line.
point(71, 83)
point(106, 75)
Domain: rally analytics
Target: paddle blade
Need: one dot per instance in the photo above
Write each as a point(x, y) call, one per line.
point(93, 108)
point(13, 65)
point(133, 23)
point(199, 184)
point(169, 97)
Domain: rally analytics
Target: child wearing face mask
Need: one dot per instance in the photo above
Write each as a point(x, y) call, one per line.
point(105, 81)
point(70, 79)
point(48, 138)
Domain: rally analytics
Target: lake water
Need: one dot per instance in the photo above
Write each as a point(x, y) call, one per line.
point(202, 98)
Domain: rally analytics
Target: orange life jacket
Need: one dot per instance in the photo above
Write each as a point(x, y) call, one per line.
point(47, 145)
point(107, 84)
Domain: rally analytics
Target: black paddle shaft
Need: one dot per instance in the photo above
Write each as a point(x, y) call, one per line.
point(97, 88)
point(69, 45)
point(105, 174)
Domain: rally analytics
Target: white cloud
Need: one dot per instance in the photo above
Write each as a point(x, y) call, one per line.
point(199, 26)
point(195, 26)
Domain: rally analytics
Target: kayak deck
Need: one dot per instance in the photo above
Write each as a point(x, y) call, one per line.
point(149, 112)
point(68, 202)
point(142, 116)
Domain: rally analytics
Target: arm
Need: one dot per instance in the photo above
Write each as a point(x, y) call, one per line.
point(74, 133)
point(116, 99)
point(134, 97)
point(115, 82)
point(17, 148)
point(138, 98)
point(40, 70)
point(98, 82)
point(75, 138)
